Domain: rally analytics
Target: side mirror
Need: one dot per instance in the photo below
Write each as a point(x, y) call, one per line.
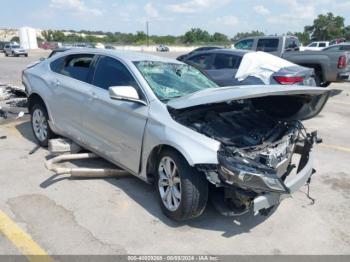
point(127, 93)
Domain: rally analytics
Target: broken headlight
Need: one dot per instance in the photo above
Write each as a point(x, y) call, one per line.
point(242, 172)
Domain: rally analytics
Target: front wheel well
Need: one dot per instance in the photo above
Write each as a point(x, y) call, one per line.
point(153, 159)
point(34, 99)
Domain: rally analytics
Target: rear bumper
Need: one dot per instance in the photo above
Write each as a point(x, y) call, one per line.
point(271, 199)
point(344, 76)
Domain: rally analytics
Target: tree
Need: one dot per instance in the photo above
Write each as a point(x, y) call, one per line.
point(219, 38)
point(326, 27)
point(241, 35)
point(15, 39)
point(303, 37)
point(196, 35)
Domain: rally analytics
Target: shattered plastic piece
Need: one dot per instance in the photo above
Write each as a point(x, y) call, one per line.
point(261, 65)
point(20, 114)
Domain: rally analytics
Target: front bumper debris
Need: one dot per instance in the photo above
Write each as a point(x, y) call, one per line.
point(293, 184)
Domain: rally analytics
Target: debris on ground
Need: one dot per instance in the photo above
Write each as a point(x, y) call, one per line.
point(13, 102)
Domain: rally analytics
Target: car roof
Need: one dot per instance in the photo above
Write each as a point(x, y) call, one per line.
point(239, 52)
point(129, 56)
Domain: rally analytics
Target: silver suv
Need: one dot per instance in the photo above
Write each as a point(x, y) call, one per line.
point(168, 124)
point(15, 50)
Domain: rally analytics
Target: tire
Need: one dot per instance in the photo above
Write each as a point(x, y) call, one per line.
point(40, 126)
point(187, 189)
point(26, 55)
point(6, 54)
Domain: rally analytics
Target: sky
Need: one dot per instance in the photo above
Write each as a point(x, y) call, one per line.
point(173, 17)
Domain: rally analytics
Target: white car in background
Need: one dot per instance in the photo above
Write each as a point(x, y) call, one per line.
point(315, 46)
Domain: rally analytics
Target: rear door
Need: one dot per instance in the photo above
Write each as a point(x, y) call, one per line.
point(224, 68)
point(70, 92)
point(114, 127)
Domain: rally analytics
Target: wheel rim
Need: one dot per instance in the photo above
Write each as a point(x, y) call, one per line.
point(39, 123)
point(169, 183)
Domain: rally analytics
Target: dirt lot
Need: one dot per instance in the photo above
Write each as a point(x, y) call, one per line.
point(122, 216)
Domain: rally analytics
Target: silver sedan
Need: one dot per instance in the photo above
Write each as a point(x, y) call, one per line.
point(168, 124)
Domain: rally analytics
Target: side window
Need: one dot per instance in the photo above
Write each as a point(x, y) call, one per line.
point(202, 60)
point(268, 45)
point(322, 45)
point(291, 44)
point(7, 46)
point(110, 72)
point(56, 65)
point(345, 48)
point(77, 66)
point(225, 61)
point(246, 44)
point(313, 45)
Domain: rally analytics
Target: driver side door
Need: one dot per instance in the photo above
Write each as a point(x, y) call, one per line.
point(115, 127)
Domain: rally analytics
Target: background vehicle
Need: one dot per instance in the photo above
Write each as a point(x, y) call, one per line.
point(14, 50)
point(338, 47)
point(337, 41)
point(2, 45)
point(221, 66)
point(183, 132)
point(162, 48)
point(329, 66)
point(203, 48)
point(315, 46)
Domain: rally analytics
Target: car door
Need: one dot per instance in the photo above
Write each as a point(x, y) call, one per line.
point(224, 69)
point(115, 127)
point(70, 92)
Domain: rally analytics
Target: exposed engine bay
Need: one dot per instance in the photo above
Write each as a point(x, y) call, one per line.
point(256, 148)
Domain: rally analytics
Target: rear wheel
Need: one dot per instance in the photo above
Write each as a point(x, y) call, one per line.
point(182, 190)
point(40, 125)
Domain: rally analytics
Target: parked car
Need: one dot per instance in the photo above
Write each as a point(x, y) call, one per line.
point(315, 46)
point(221, 66)
point(14, 50)
point(199, 49)
point(168, 124)
point(162, 48)
point(329, 66)
point(339, 47)
point(337, 41)
point(2, 45)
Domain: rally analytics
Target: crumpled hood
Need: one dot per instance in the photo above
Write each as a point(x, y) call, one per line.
point(317, 97)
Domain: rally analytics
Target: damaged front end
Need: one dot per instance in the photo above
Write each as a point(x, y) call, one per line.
point(265, 153)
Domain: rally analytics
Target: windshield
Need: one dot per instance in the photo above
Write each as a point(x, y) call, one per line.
point(171, 80)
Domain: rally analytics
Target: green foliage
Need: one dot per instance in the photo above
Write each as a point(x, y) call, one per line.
point(15, 39)
point(326, 27)
point(303, 37)
point(242, 35)
point(196, 35)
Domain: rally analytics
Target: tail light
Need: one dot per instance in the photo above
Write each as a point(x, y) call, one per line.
point(289, 80)
point(342, 61)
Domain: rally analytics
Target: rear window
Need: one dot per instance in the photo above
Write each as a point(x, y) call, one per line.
point(226, 61)
point(268, 45)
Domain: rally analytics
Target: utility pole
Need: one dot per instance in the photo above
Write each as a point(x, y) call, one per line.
point(147, 33)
